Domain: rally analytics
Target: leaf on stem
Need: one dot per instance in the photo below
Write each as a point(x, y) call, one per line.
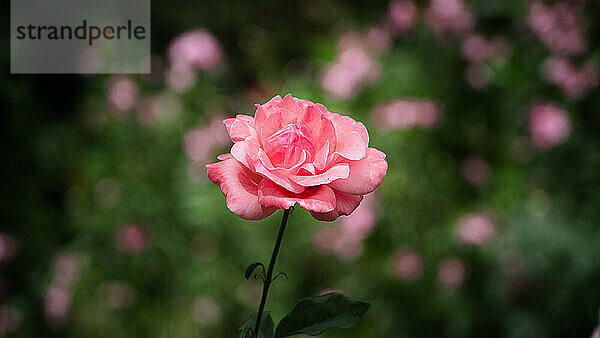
point(250, 269)
point(280, 274)
point(266, 326)
point(313, 315)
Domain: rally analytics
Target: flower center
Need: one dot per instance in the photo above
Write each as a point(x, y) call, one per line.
point(290, 146)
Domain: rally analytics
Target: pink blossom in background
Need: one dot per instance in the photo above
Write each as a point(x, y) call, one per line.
point(406, 113)
point(180, 77)
point(558, 26)
point(476, 48)
point(356, 227)
point(217, 131)
point(345, 238)
point(57, 300)
point(206, 311)
point(353, 68)
point(549, 125)
point(327, 240)
point(402, 15)
point(132, 239)
point(354, 55)
point(360, 223)
point(57, 303)
point(296, 151)
point(198, 49)
point(475, 170)
point(122, 94)
point(477, 75)
point(66, 270)
point(200, 143)
point(339, 81)
point(10, 319)
point(378, 39)
point(350, 249)
point(451, 272)
point(148, 111)
point(575, 83)
point(475, 229)
point(9, 247)
point(408, 265)
point(451, 17)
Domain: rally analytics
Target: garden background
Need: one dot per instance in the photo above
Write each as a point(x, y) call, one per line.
point(487, 224)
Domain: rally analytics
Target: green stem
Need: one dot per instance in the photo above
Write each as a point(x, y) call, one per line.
point(269, 275)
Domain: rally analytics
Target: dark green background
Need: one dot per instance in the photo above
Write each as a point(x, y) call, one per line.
point(52, 162)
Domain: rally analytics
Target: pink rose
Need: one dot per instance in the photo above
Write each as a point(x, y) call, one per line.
point(296, 151)
point(549, 125)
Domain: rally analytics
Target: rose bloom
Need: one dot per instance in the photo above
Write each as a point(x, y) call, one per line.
point(296, 151)
point(549, 125)
point(449, 17)
point(408, 265)
point(197, 48)
point(402, 14)
point(475, 229)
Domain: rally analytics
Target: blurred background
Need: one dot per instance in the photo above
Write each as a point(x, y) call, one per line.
point(487, 224)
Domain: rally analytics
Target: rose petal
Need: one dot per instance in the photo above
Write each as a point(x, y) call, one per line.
point(240, 127)
point(289, 103)
point(317, 199)
point(341, 170)
point(345, 124)
point(242, 151)
point(306, 169)
point(247, 152)
point(240, 187)
point(280, 177)
point(351, 146)
point(286, 113)
point(345, 205)
point(321, 156)
point(274, 122)
point(262, 111)
point(224, 157)
point(365, 174)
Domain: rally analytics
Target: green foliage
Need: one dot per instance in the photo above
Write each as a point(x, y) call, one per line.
point(266, 326)
point(250, 269)
point(313, 315)
point(75, 173)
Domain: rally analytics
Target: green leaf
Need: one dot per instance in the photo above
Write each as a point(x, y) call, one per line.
point(314, 315)
point(265, 330)
point(252, 267)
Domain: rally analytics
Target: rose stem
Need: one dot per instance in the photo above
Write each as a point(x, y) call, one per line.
point(269, 275)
